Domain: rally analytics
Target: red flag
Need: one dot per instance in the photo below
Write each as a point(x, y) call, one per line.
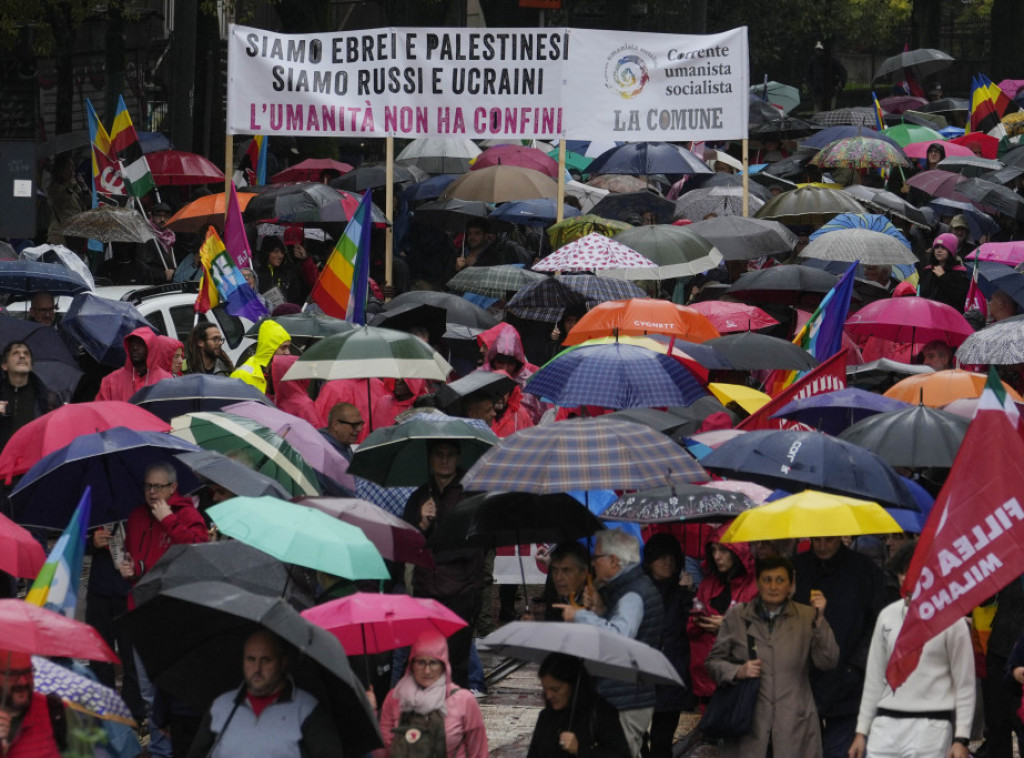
point(828, 376)
point(973, 542)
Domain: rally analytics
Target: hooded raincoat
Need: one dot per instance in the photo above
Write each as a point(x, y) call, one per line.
point(362, 393)
point(165, 348)
point(254, 371)
point(387, 407)
point(292, 396)
point(126, 381)
point(503, 339)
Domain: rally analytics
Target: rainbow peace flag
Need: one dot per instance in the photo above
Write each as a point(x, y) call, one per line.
point(341, 289)
point(56, 586)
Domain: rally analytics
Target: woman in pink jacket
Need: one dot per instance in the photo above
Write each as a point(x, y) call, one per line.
point(425, 705)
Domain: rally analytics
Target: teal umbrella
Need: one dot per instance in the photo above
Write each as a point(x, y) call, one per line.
point(301, 535)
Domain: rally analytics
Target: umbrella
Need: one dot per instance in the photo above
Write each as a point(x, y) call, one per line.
point(370, 351)
point(449, 396)
point(587, 195)
point(596, 252)
point(614, 376)
point(858, 153)
point(493, 281)
point(728, 317)
point(22, 278)
point(113, 462)
point(310, 170)
point(235, 477)
point(100, 325)
point(888, 203)
point(904, 134)
point(870, 221)
point(846, 116)
point(230, 561)
point(192, 393)
point(681, 502)
point(571, 229)
point(880, 374)
point(499, 184)
point(367, 624)
point(61, 255)
point(517, 155)
point(78, 692)
point(202, 627)
point(936, 183)
point(194, 217)
point(369, 176)
point(628, 205)
point(458, 310)
point(1002, 199)
point(64, 425)
point(1000, 344)
point(939, 388)
point(22, 556)
point(743, 238)
point(947, 105)
point(898, 104)
point(916, 320)
point(659, 421)
point(240, 437)
point(395, 456)
point(833, 133)
point(574, 162)
point(410, 316)
point(27, 628)
point(678, 250)
point(782, 95)
point(109, 224)
point(748, 351)
point(996, 276)
point(304, 326)
point(51, 361)
point(306, 202)
point(1007, 253)
point(604, 652)
point(646, 158)
point(301, 535)
point(810, 514)
point(969, 165)
point(831, 412)
point(809, 205)
point(179, 168)
point(787, 283)
point(923, 61)
point(795, 461)
point(439, 156)
point(618, 183)
point(450, 215)
point(919, 150)
point(582, 454)
point(639, 316)
point(537, 212)
point(546, 300)
point(916, 437)
point(747, 398)
point(395, 539)
point(701, 204)
point(859, 246)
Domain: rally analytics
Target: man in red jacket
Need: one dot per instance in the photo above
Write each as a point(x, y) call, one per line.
point(31, 725)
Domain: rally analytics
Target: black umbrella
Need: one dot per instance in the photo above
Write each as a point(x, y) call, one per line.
point(409, 316)
point(100, 325)
point(450, 215)
point(621, 206)
point(879, 375)
point(51, 361)
point(458, 309)
point(373, 175)
point(718, 179)
point(749, 351)
point(924, 61)
point(190, 640)
point(449, 397)
point(306, 326)
point(646, 158)
point(743, 238)
point(194, 392)
point(682, 502)
point(233, 476)
point(997, 196)
point(659, 421)
point(694, 415)
point(946, 105)
point(306, 202)
point(918, 437)
point(786, 284)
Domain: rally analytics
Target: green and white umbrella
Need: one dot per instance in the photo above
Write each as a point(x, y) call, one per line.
point(250, 443)
point(677, 250)
point(370, 351)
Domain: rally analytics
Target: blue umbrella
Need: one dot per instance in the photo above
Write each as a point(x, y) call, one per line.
point(100, 325)
point(614, 376)
point(429, 189)
point(51, 361)
point(537, 212)
point(913, 521)
point(872, 221)
point(112, 462)
point(646, 158)
point(843, 131)
point(22, 278)
point(979, 222)
point(994, 276)
point(195, 392)
point(795, 461)
point(833, 412)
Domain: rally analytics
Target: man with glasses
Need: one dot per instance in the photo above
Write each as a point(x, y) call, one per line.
point(205, 354)
point(32, 725)
point(344, 423)
point(43, 309)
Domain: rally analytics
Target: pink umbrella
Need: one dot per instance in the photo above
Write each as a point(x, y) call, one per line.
point(755, 492)
point(915, 320)
point(734, 317)
point(310, 170)
point(20, 553)
point(517, 155)
point(920, 149)
point(1011, 87)
point(901, 103)
point(595, 252)
point(302, 436)
point(366, 623)
point(939, 183)
point(177, 167)
point(1010, 253)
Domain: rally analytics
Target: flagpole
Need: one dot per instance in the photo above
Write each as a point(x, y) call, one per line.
point(229, 160)
point(389, 209)
point(746, 177)
point(560, 200)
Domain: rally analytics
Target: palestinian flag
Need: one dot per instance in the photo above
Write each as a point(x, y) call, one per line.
point(124, 143)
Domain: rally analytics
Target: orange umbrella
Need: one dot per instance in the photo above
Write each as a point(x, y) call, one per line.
point(943, 387)
point(640, 316)
point(204, 211)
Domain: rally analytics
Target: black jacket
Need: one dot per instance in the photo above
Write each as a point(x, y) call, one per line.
point(595, 724)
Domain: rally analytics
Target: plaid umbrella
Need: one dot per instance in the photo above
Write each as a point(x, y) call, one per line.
point(493, 281)
point(547, 299)
point(698, 204)
point(849, 116)
point(572, 229)
point(859, 152)
point(583, 454)
point(391, 499)
point(79, 692)
point(859, 245)
point(614, 376)
point(595, 252)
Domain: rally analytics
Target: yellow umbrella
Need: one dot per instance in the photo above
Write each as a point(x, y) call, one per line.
point(811, 514)
point(747, 398)
point(571, 229)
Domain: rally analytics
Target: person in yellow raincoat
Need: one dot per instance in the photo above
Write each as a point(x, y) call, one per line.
point(272, 340)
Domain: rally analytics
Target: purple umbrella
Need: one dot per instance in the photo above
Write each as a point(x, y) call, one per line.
point(833, 412)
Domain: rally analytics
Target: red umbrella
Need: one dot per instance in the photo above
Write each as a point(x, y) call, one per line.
point(310, 170)
point(20, 554)
point(177, 167)
point(26, 628)
point(517, 155)
point(989, 144)
point(62, 426)
point(937, 183)
point(734, 317)
point(915, 320)
point(367, 623)
point(1008, 253)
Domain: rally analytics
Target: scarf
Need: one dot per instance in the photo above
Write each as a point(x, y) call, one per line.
point(166, 237)
point(421, 700)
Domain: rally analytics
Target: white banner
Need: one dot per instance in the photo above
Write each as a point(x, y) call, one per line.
point(483, 83)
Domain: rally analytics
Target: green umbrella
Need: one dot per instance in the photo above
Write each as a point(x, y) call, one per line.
point(301, 535)
point(677, 250)
point(370, 351)
point(396, 456)
point(250, 442)
point(573, 161)
point(572, 229)
point(904, 134)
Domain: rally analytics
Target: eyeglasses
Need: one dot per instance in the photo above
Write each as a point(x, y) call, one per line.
point(154, 486)
point(215, 340)
point(421, 663)
point(353, 424)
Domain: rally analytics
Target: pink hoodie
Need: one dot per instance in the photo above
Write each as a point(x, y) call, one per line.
point(125, 382)
point(465, 736)
point(291, 396)
point(387, 408)
point(503, 339)
point(164, 351)
point(352, 391)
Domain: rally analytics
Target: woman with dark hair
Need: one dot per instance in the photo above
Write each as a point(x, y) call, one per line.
point(944, 278)
point(575, 720)
point(936, 153)
point(275, 269)
point(663, 560)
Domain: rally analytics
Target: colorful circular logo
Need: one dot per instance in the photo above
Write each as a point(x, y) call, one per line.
point(628, 75)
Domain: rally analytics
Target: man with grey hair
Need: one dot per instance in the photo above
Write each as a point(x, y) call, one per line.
point(628, 604)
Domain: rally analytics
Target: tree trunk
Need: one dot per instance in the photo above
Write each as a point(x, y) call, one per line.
point(927, 24)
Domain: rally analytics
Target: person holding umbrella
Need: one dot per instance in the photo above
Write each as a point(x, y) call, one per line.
point(575, 720)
